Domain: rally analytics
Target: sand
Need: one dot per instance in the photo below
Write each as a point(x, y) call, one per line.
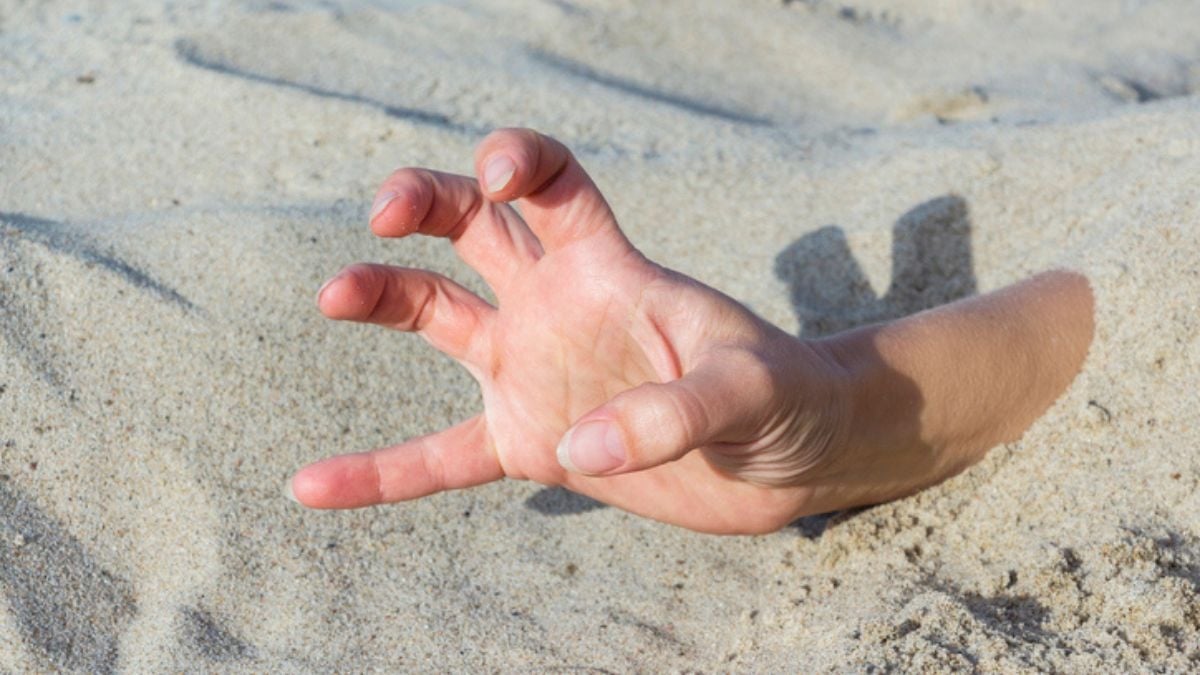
point(177, 178)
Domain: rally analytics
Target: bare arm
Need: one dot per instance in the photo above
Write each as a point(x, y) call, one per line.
point(930, 393)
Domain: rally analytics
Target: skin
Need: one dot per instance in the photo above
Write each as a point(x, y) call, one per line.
point(723, 423)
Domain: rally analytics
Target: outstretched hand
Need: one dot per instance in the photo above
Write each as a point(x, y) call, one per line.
point(645, 389)
point(600, 370)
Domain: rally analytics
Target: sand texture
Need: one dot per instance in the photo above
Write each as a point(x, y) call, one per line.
point(177, 178)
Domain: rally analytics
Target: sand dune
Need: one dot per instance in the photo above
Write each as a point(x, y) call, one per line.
point(176, 180)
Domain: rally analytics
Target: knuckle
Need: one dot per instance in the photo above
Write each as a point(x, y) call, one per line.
point(424, 308)
point(435, 468)
point(684, 417)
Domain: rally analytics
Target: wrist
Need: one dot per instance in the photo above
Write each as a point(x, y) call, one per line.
point(823, 409)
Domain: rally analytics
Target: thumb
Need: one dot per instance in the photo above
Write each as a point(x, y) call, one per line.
point(653, 423)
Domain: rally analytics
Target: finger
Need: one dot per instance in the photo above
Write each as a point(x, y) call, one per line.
point(453, 319)
point(556, 196)
point(723, 400)
point(455, 458)
point(491, 238)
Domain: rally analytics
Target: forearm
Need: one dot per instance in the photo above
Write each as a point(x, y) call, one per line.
point(942, 386)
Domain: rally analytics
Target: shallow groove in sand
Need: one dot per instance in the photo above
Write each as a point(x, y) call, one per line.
point(627, 86)
point(70, 608)
point(53, 235)
point(191, 53)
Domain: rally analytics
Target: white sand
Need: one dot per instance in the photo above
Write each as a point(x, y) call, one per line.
point(176, 180)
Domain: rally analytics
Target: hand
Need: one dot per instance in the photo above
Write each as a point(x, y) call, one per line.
point(600, 370)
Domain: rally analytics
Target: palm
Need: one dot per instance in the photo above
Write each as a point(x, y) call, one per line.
point(582, 317)
point(566, 344)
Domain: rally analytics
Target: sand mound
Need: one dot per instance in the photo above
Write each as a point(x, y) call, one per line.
point(178, 180)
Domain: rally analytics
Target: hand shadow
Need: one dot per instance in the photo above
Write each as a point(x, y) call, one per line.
point(559, 501)
point(931, 265)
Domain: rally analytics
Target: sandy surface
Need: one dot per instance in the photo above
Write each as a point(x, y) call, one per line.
point(176, 179)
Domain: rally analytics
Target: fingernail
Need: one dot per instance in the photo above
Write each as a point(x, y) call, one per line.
point(498, 172)
point(592, 448)
point(289, 492)
point(327, 285)
point(321, 290)
point(381, 203)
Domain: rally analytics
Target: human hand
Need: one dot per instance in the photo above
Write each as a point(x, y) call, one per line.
point(662, 396)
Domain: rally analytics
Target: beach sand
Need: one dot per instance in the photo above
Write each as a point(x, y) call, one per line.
point(176, 180)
